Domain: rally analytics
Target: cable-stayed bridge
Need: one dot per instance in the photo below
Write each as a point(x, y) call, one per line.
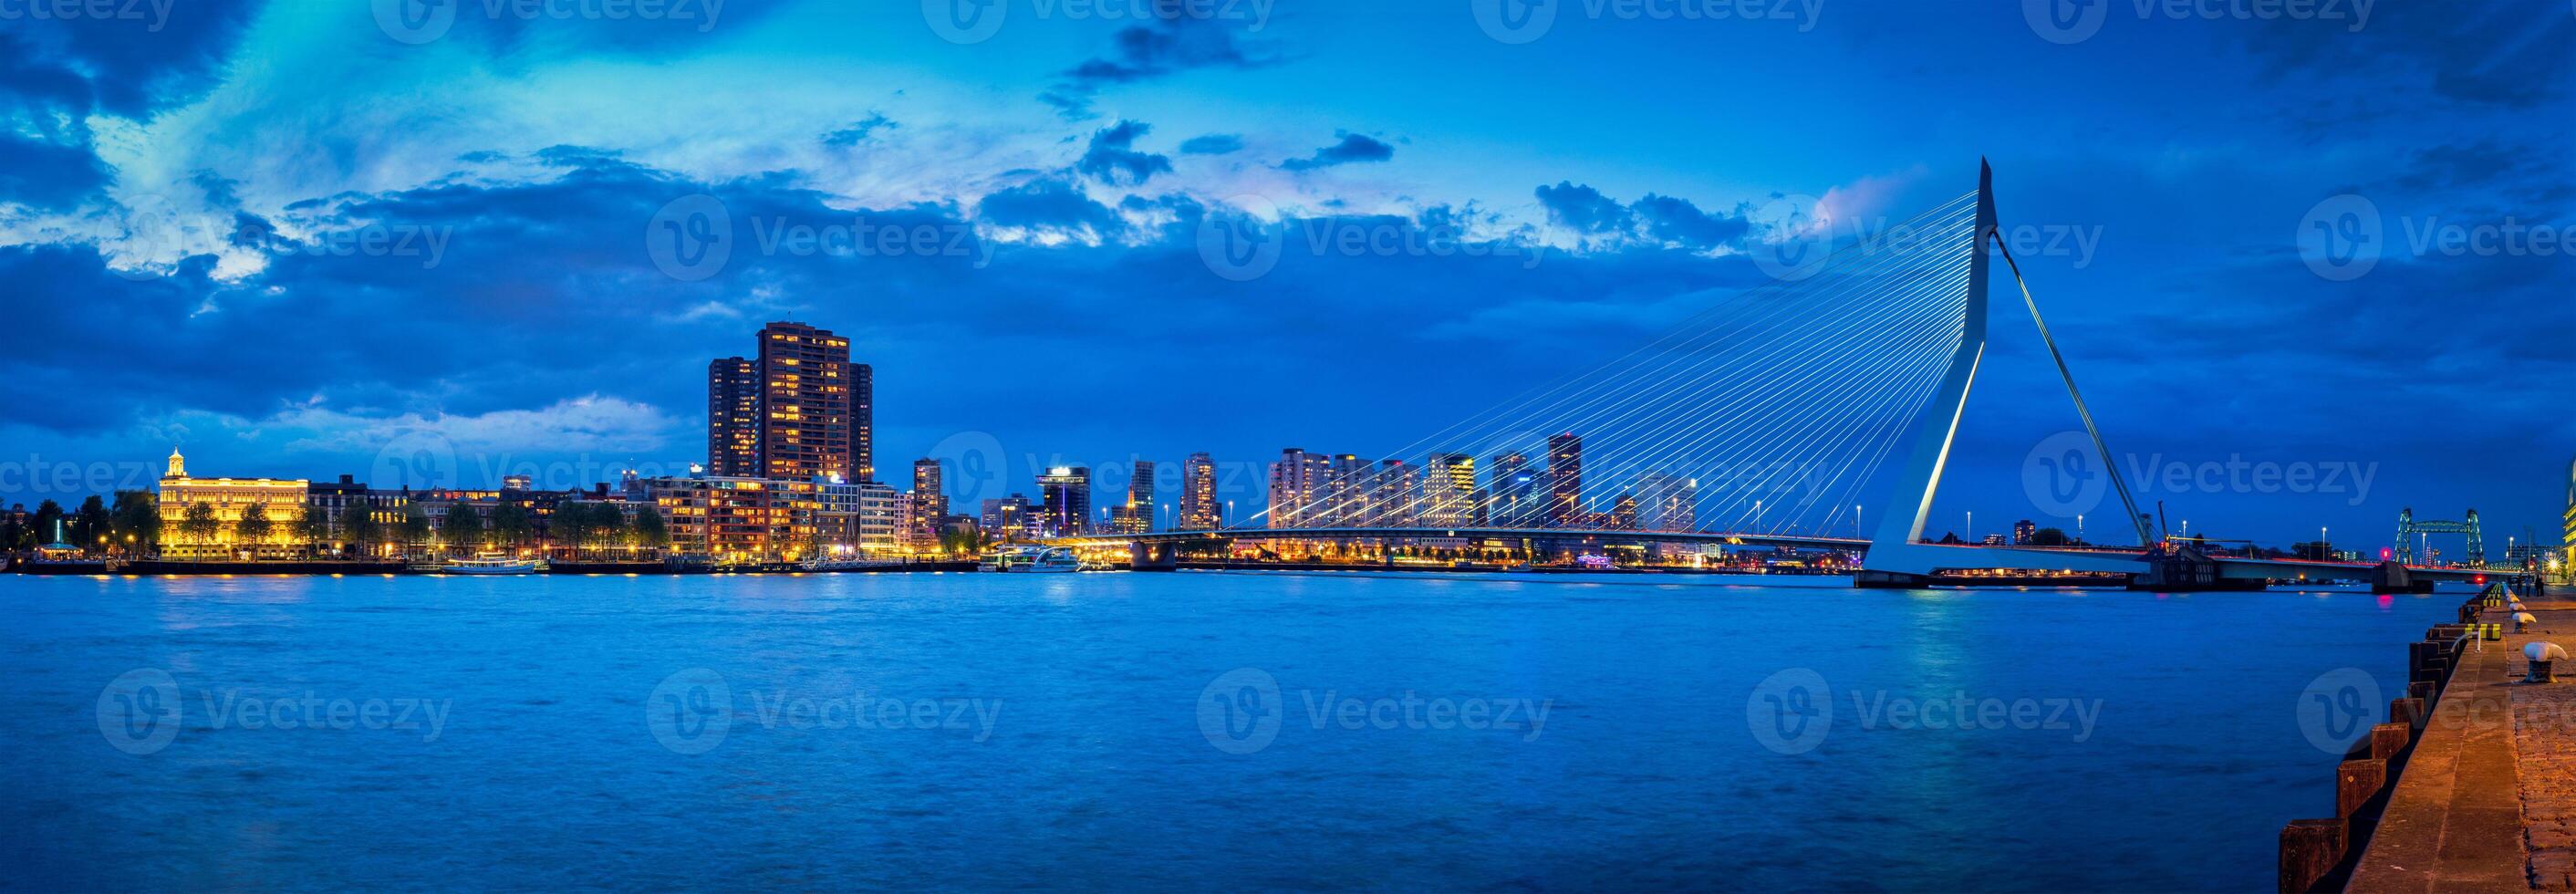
point(1781, 416)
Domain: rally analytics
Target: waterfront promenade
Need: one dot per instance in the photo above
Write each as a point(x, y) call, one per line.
point(2487, 800)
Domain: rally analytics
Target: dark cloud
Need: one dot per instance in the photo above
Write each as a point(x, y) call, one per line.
point(2512, 56)
point(859, 133)
point(1353, 148)
point(1672, 220)
point(1584, 209)
point(1049, 204)
point(1212, 144)
point(1172, 43)
point(1113, 159)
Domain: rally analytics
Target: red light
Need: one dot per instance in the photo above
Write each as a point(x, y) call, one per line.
point(2480, 580)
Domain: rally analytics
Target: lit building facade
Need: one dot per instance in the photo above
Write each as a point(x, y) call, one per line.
point(1564, 482)
point(282, 502)
point(929, 505)
point(1511, 492)
point(1667, 502)
point(881, 517)
point(1007, 518)
point(1199, 509)
point(1449, 490)
point(805, 404)
point(1349, 493)
point(1297, 480)
point(733, 520)
point(733, 418)
point(1136, 515)
point(1066, 510)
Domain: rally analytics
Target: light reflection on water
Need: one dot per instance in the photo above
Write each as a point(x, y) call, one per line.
point(1095, 770)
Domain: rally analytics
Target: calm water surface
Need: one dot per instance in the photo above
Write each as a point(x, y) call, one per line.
point(993, 731)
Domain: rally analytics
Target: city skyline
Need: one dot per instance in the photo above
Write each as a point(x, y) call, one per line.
point(1063, 211)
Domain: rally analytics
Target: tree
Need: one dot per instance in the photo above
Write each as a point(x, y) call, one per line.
point(315, 528)
point(569, 528)
point(414, 528)
point(255, 528)
point(47, 514)
point(511, 525)
point(199, 524)
point(464, 526)
point(358, 523)
point(89, 525)
point(608, 525)
point(650, 531)
point(2050, 537)
point(135, 520)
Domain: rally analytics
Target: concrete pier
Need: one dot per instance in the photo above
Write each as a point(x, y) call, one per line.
point(2487, 799)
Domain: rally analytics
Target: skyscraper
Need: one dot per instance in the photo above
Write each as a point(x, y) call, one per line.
point(1199, 509)
point(733, 418)
point(1297, 480)
point(805, 404)
point(1136, 515)
point(1347, 495)
point(863, 418)
point(1066, 491)
point(1448, 491)
point(929, 502)
point(1667, 502)
point(1564, 481)
point(1509, 486)
point(1394, 496)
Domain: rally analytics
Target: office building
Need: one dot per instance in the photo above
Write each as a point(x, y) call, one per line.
point(1199, 509)
point(1449, 491)
point(1511, 499)
point(1297, 481)
point(806, 405)
point(733, 418)
point(1066, 507)
point(1136, 514)
point(1008, 518)
point(1564, 482)
point(1667, 502)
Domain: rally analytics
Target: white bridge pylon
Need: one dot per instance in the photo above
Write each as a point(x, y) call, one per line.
point(1896, 545)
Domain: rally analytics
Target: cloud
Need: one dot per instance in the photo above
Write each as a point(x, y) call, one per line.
point(1584, 209)
point(1679, 222)
point(1212, 144)
point(858, 133)
point(1352, 148)
point(1111, 158)
point(1051, 208)
point(1170, 45)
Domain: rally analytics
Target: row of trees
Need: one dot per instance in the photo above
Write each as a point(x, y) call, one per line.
point(132, 525)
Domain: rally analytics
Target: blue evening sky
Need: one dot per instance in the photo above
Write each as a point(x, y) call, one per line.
point(415, 241)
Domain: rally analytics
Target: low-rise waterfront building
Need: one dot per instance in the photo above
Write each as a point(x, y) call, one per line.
point(202, 518)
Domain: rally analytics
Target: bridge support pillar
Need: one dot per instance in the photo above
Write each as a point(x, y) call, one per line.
point(1890, 580)
point(1163, 556)
point(2391, 577)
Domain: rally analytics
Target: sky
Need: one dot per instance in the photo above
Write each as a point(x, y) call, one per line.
point(432, 243)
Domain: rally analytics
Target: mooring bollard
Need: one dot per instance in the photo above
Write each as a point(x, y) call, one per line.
point(2310, 848)
point(2522, 621)
point(2542, 655)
